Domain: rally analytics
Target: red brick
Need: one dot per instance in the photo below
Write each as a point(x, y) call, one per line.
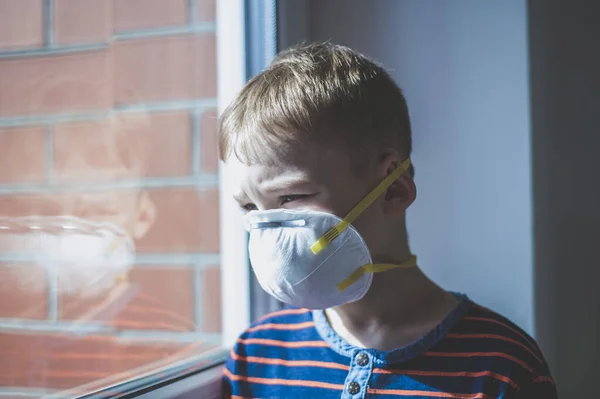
point(21, 24)
point(22, 155)
point(65, 83)
point(211, 300)
point(153, 298)
point(206, 66)
point(127, 145)
point(162, 69)
point(82, 21)
point(209, 142)
point(23, 290)
point(206, 10)
point(116, 206)
point(187, 220)
point(142, 14)
point(55, 361)
point(166, 296)
point(27, 204)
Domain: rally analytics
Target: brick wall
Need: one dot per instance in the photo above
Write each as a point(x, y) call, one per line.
point(104, 102)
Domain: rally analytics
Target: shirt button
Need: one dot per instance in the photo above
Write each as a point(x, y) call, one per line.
point(353, 388)
point(362, 359)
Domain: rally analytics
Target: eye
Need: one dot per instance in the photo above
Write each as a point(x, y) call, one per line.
point(248, 207)
point(290, 198)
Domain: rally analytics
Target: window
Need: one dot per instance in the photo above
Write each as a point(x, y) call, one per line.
point(112, 204)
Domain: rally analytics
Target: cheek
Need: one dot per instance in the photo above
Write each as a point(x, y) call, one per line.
point(372, 228)
point(324, 202)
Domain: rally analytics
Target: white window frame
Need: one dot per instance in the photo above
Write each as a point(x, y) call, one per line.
point(235, 270)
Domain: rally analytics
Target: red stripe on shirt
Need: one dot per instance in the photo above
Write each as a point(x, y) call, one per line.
point(283, 313)
point(470, 374)
point(543, 378)
point(281, 381)
point(495, 336)
point(489, 320)
point(429, 394)
point(289, 363)
point(480, 354)
point(284, 344)
point(285, 327)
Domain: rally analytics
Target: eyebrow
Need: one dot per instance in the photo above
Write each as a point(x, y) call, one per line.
point(284, 184)
point(275, 185)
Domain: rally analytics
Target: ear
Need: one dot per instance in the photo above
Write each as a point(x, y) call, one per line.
point(146, 215)
point(403, 192)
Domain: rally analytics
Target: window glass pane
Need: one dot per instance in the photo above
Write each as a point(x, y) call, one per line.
point(109, 216)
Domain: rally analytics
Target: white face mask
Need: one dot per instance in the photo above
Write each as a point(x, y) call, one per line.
point(312, 259)
point(85, 258)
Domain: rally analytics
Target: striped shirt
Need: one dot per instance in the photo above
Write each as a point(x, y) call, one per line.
point(473, 353)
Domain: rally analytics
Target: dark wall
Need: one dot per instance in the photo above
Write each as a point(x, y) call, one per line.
point(565, 104)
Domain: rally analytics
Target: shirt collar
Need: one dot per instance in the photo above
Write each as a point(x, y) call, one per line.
point(397, 355)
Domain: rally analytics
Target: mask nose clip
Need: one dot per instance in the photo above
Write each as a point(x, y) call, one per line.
point(277, 224)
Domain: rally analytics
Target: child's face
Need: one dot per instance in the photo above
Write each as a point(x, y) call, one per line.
point(314, 177)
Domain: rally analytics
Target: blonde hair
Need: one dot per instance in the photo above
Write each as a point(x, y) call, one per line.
point(321, 91)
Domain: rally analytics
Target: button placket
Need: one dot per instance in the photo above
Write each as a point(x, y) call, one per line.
point(358, 376)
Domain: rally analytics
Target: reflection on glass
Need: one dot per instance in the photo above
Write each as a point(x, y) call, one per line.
point(82, 257)
point(109, 266)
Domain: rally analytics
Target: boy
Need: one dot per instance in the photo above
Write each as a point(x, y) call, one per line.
point(322, 141)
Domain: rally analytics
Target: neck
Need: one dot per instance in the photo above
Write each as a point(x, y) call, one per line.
point(395, 294)
point(400, 307)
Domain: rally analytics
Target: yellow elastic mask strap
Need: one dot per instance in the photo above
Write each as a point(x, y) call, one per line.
point(374, 268)
point(339, 228)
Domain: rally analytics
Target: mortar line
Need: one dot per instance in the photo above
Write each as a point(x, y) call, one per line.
point(198, 302)
point(49, 23)
point(192, 12)
point(196, 142)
